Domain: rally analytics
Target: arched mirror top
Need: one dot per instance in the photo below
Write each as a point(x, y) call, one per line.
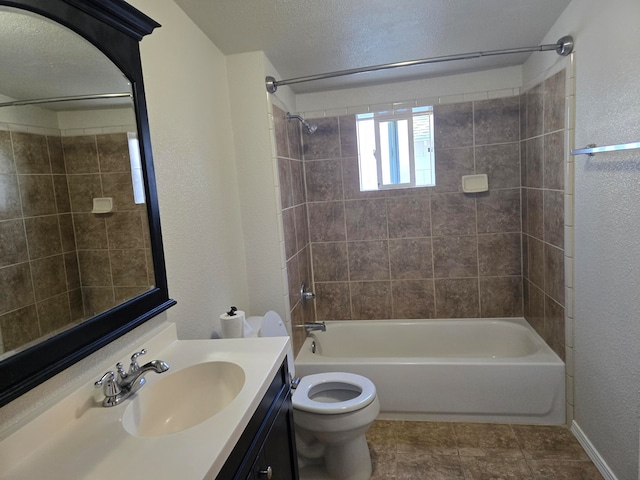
point(82, 261)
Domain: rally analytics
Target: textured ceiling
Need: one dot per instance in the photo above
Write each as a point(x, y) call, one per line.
point(41, 59)
point(307, 37)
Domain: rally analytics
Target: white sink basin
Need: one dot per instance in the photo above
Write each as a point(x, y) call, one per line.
point(183, 399)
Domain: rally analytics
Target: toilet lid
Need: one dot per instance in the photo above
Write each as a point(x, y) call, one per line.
point(313, 384)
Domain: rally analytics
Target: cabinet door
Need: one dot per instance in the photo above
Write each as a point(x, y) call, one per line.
point(278, 454)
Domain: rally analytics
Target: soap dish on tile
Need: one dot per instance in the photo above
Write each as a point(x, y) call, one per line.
point(475, 183)
point(102, 205)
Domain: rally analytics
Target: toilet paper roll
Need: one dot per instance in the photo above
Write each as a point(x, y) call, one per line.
point(232, 326)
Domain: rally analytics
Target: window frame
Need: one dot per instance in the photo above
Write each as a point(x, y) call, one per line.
point(395, 116)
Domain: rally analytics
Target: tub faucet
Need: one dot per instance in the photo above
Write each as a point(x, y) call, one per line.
point(309, 327)
point(126, 383)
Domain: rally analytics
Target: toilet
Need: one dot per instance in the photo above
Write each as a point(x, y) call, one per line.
point(332, 412)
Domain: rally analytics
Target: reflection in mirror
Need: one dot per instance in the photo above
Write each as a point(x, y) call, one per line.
point(74, 234)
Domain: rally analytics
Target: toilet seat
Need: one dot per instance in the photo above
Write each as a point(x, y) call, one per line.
point(312, 385)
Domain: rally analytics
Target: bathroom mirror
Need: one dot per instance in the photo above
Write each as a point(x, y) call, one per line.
point(81, 259)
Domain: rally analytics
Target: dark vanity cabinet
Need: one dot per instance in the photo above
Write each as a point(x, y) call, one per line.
point(266, 449)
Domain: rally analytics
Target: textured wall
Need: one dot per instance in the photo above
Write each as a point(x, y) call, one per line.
point(607, 227)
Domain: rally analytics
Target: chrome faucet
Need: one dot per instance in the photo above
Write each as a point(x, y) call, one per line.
point(126, 383)
point(309, 327)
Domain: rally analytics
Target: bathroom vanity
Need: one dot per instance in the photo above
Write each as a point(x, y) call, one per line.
point(266, 448)
point(222, 410)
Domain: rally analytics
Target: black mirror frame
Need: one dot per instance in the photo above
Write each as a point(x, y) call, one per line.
point(115, 28)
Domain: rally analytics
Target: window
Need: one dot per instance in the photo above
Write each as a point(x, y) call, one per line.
point(395, 150)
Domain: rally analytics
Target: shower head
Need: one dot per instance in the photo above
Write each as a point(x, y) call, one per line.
point(308, 129)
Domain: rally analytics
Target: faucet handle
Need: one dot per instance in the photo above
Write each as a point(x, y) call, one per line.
point(109, 385)
point(122, 373)
point(134, 360)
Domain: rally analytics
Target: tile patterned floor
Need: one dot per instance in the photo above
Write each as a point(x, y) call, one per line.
point(403, 450)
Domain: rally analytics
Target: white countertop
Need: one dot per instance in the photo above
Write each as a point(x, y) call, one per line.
point(77, 438)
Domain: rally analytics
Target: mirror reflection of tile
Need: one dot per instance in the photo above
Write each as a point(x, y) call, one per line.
point(60, 263)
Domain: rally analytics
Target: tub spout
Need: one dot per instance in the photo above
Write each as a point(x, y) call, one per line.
point(309, 327)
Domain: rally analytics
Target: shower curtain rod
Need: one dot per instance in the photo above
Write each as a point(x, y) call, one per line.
point(17, 103)
point(563, 47)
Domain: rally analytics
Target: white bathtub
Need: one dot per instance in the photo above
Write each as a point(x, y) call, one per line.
point(476, 370)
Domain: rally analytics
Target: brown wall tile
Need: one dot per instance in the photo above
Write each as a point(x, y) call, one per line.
point(94, 268)
point(501, 163)
point(455, 257)
point(497, 120)
point(554, 273)
point(554, 217)
point(13, 243)
point(82, 190)
point(499, 211)
point(119, 186)
point(453, 125)
point(293, 281)
point(19, 327)
point(411, 258)
point(451, 164)
point(97, 300)
point(348, 136)
point(289, 225)
point(413, 299)
point(453, 214)
point(325, 142)
point(501, 297)
point(369, 260)
point(534, 112)
point(324, 180)
point(554, 161)
point(284, 179)
point(124, 230)
point(36, 194)
point(10, 207)
point(330, 262)
point(61, 192)
point(533, 162)
point(54, 313)
point(17, 287)
point(43, 236)
point(457, 298)
point(371, 300)
point(30, 153)
point(326, 222)
point(554, 106)
point(113, 152)
point(499, 254)
point(366, 219)
point(7, 163)
point(56, 155)
point(49, 277)
point(333, 301)
point(409, 216)
point(80, 154)
point(128, 268)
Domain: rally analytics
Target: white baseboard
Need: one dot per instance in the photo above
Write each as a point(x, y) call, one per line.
point(595, 457)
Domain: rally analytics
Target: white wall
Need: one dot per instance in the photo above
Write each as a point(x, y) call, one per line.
point(189, 110)
point(607, 227)
point(454, 86)
point(259, 194)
